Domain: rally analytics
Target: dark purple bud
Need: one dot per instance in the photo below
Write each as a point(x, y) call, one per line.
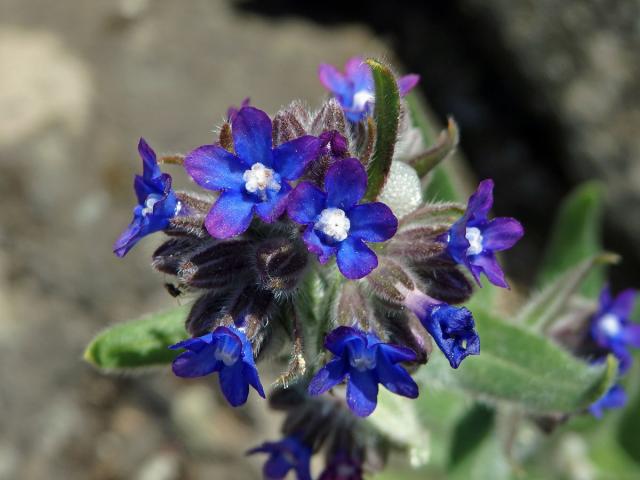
point(168, 256)
point(225, 138)
point(407, 330)
point(280, 263)
point(219, 266)
point(449, 285)
point(205, 314)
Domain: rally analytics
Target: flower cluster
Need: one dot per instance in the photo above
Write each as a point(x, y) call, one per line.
point(613, 333)
point(285, 196)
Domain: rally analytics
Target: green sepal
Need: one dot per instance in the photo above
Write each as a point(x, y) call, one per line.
point(387, 117)
point(139, 343)
point(522, 368)
point(546, 306)
point(445, 145)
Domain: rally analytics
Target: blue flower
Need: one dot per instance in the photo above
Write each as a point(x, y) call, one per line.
point(233, 111)
point(611, 327)
point(157, 202)
point(474, 238)
point(285, 455)
point(452, 328)
point(336, 224)
point(614, 398)
point(354, 88)
point(366, 361)
point(227, 351)
point(254, 179)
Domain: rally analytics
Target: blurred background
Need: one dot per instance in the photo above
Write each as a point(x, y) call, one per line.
point(546, 94)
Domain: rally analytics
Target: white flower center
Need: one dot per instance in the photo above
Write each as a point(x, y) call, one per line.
point(260, 178)
point(474, 237)
point(149, 203)
point(227, 357)
point(361, 98)
point(364, 363)
point(334, 223)
point(610, 324)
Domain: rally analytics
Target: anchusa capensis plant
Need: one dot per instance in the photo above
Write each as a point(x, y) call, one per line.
point(311, 235)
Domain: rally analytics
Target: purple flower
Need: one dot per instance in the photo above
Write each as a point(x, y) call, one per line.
point(342, 467)
point(366, 361)
point(474, 238)
point(334, 144)
point(254, 179)
point(233, 111)
point(285, 455)
point(452, 328)
point(355, 89)
point(227, 351)
point(611, 327)
point(336, 224)
point(614, 398)
point(157, 202)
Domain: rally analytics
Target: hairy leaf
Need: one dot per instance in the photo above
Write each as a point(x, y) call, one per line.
point(576, 236)
point(139, 343)
point(445, 145)
point(523, 368)
point(386, 116)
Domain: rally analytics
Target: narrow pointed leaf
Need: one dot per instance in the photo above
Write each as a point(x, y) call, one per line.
point(139, 343)
point(576, 236)
point(522, 368)
point(547, 305)
point(386, 116)
point(445, 145)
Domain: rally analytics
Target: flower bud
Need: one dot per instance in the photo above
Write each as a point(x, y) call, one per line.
point(280, 263)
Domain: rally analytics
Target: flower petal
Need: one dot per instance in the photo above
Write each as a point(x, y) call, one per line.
point(213, 168)
point(192, 364)
point(622, 305)
point(501, 233)
point(481, 201)
point(373, 222)
point(251, 131)
point(127, 239)
point(333, 80)
point(233, 384)
point(316, 246)
point(362, 392)
point(329, 376)
point(345, 183)
point(407, 82)
point(355, 259)
point(272, 208)
point(397, 353)
point(340, 337)
point(488, 264)
point(359, 73)
point(150, 167)
point(614, 398)
point(305, 203)
point(395, 378)
point(230, 216)
point(290, 159)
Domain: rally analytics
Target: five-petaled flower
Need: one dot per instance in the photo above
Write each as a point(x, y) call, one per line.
point(611, 328)
point(614, 398)
point(226, 351)
point(452, 328)
point(254, 179)
point(354, 88)
point(473, 239)
point(336, 224)
point(287, 454)
point(157, 202)
point(366, 361)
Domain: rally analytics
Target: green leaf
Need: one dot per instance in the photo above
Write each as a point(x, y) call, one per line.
point(521, 367)
point(445, 145)
point(139, 343)
point(546, 306)
point(386, 116)
point(470, 431)
point(576, 235)
point(486, 461)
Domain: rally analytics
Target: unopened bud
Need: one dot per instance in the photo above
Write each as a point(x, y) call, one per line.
point(280, 264)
